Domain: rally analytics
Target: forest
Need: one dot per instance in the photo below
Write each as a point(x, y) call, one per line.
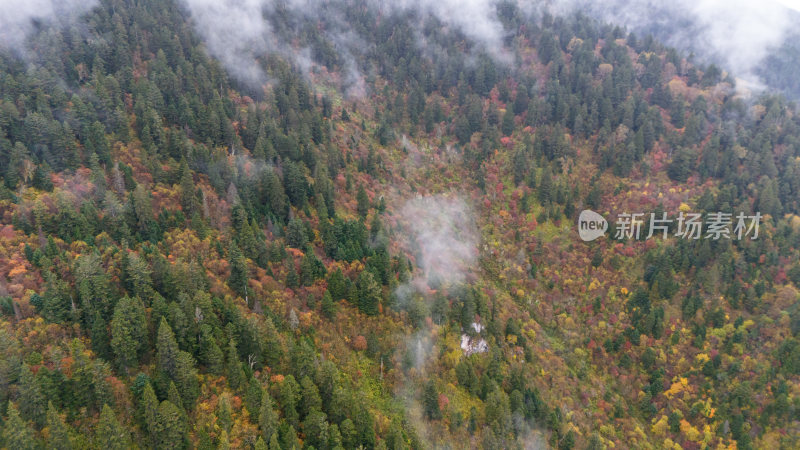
point(375, 246)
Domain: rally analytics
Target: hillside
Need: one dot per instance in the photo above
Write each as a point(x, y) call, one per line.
point(356, 227)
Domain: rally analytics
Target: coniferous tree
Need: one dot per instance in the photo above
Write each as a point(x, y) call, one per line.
point(128, 331)
point(362, 201)
point(224, 412)
point(17, 434)
point(267, 417)
point(252, 398)
point(296, 234)
point(167, 349)
point(508, 122)
point(32, 402)
point(56, 301)
point(210, 353)
point(188, 198)
point(110, 433)
point(288, 397)
point(328, 306)
point(336, 285)
point(234, 372)
point(170, 430)
point(369, 293)
point(260, 444)
point(186, 379)
point(430, 401)
point(149, 406)
point(58, 432)
point(677, 113)
point(239, 271)
point(292, 279)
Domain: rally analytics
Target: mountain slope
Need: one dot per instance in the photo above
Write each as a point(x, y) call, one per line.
point(319, 258)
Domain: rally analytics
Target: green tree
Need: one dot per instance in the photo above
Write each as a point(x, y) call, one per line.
point(362, 201)
point(295, 182)
point(225, 412)
point(311, 268)
point(128, 331)
point(462, 129)
point(315, 428)
point(176, 365)
point(267, 417)
point(508, 122)
point(260, 444)
point(234, 367)
point(32, 402)
point(189, 203)
point(166, 349)
point(274, 195)
point(677, 113)
point(369, 293)
point(170, 428)
point(58, 432)
point(337, 285)
point(110, 434)
point(186, 379)
point(149, 406)
point(768, 201)
point(287, 395)
point(309, 399)
point(137, 276)
point(498, 411)
point(252, 397)
point(56, 301)
point(223, 442)
point(239, 271)
point(210, 353)
point(430, 401)
point(681, 166)
point(292, 279)
point(296, 234)
point(328, 306)
point(16, 433)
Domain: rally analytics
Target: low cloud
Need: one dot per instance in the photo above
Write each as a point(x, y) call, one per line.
point(240, 32)
point(235, 32)
point(441, 232)
point(737, 34)
point(20, 18)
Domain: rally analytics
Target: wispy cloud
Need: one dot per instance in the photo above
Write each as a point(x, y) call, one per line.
point(441, 231)
point(19, 18)
point(738, 34)
point(239, 32)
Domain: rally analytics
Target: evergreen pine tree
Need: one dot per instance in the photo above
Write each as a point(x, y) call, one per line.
point(166, 349)
point(32, 402)
point(267, 417)
point(16, 433)
point(328, 306)
point(149, 406)
point(110, 434)
point(210, 353)
point(58, 432)
point(430, 401)
point(239, 272)
point(170, 429)
point(508, 122)
point(235, 374)
point(362, 201)
point(369, 293)
point(128, 331)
